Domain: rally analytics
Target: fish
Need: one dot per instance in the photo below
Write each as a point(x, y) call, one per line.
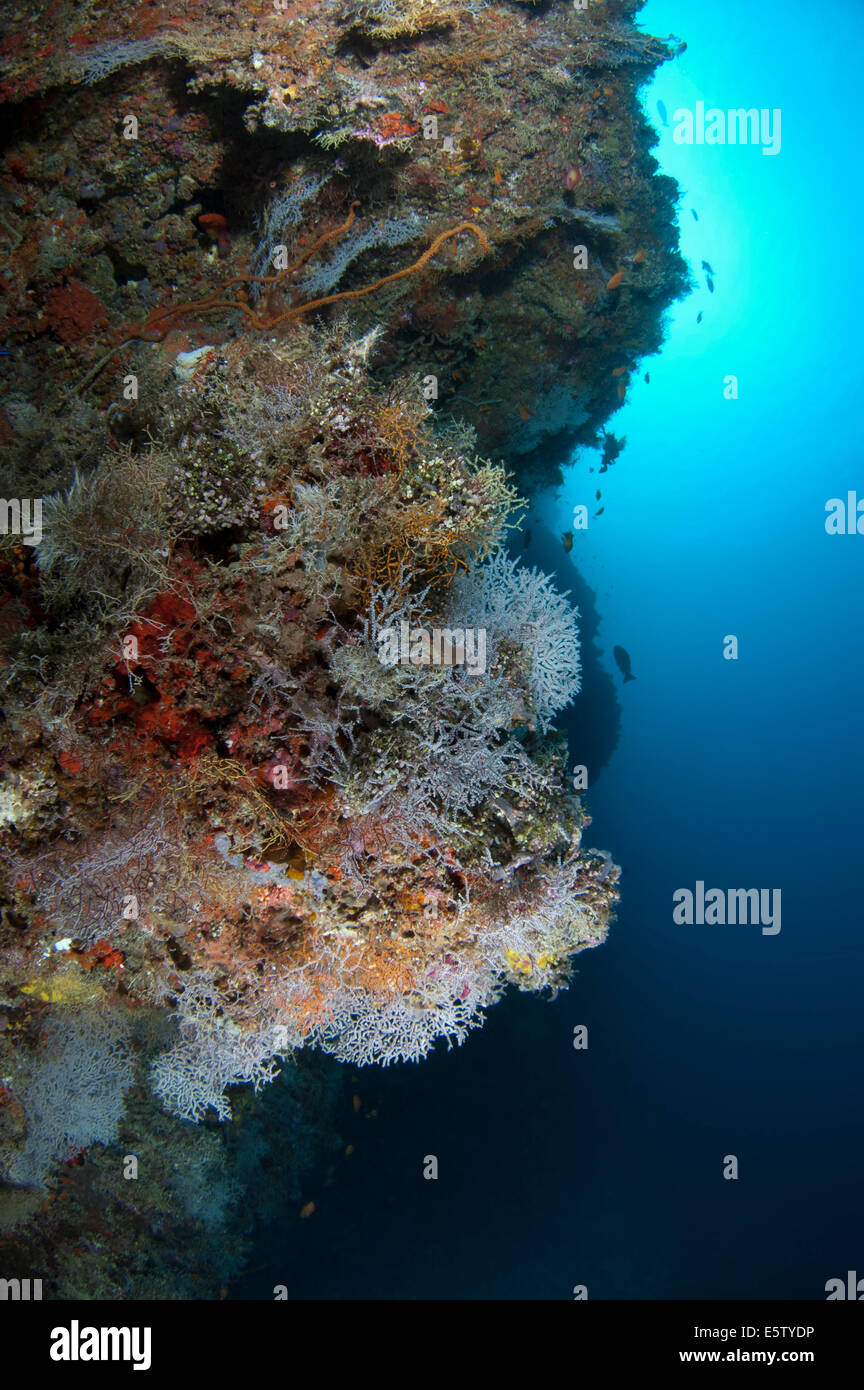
point(616, 280)
point(695, 214)
point(525, 412)
point(662, 112)
point(706, 265)
point(497, 176)
point(622, 391)
point(599, 513)
point(567, 538)
point(622, 661)
point(357, 1103)
point(528, 537)
point(307, 1210)
point(639, 258)
point(710, 283)
point(647, 378)
point(598, 494)
point(619, 371)
point(699, 317)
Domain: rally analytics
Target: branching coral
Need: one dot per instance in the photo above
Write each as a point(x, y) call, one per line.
point(107, 533)
point(393, 19)
point(72, 1092)
point(521, 610)
point(213, 1053)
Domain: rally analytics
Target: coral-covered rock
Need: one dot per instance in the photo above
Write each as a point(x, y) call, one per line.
point(73, 312)
point(308, 745)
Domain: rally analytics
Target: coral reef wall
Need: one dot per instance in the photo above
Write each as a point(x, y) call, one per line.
point(280, 780)
point(278, 766)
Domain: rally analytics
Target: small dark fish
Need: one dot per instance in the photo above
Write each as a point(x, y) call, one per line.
point(600, 513)
point(706, 265)
point(622, 661)
point(528, 537)
point(647, 378)
point(699, 317)
point(710, 283)
point(567, 538)
point(598, 494)
point(695, 214)
point(664, 114)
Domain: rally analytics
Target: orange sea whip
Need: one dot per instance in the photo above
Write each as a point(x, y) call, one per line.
point(427, 255)
point(155, 327)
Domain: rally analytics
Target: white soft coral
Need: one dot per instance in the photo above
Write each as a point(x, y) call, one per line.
point(521, 610)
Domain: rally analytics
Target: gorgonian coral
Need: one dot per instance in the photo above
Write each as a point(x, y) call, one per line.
point(531, 628)
point(73, 1094)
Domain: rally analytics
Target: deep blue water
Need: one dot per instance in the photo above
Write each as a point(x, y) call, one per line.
point(605, 1167)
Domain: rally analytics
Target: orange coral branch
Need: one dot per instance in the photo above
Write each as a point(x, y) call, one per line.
point(214, 300)
point(322, 241)
point(386, 279)
point(158, 323)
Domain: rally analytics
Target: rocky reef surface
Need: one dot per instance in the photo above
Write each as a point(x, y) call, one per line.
point(279, 780)
point(159, 155)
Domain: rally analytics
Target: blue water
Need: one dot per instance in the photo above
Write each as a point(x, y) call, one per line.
point(605, 1167)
